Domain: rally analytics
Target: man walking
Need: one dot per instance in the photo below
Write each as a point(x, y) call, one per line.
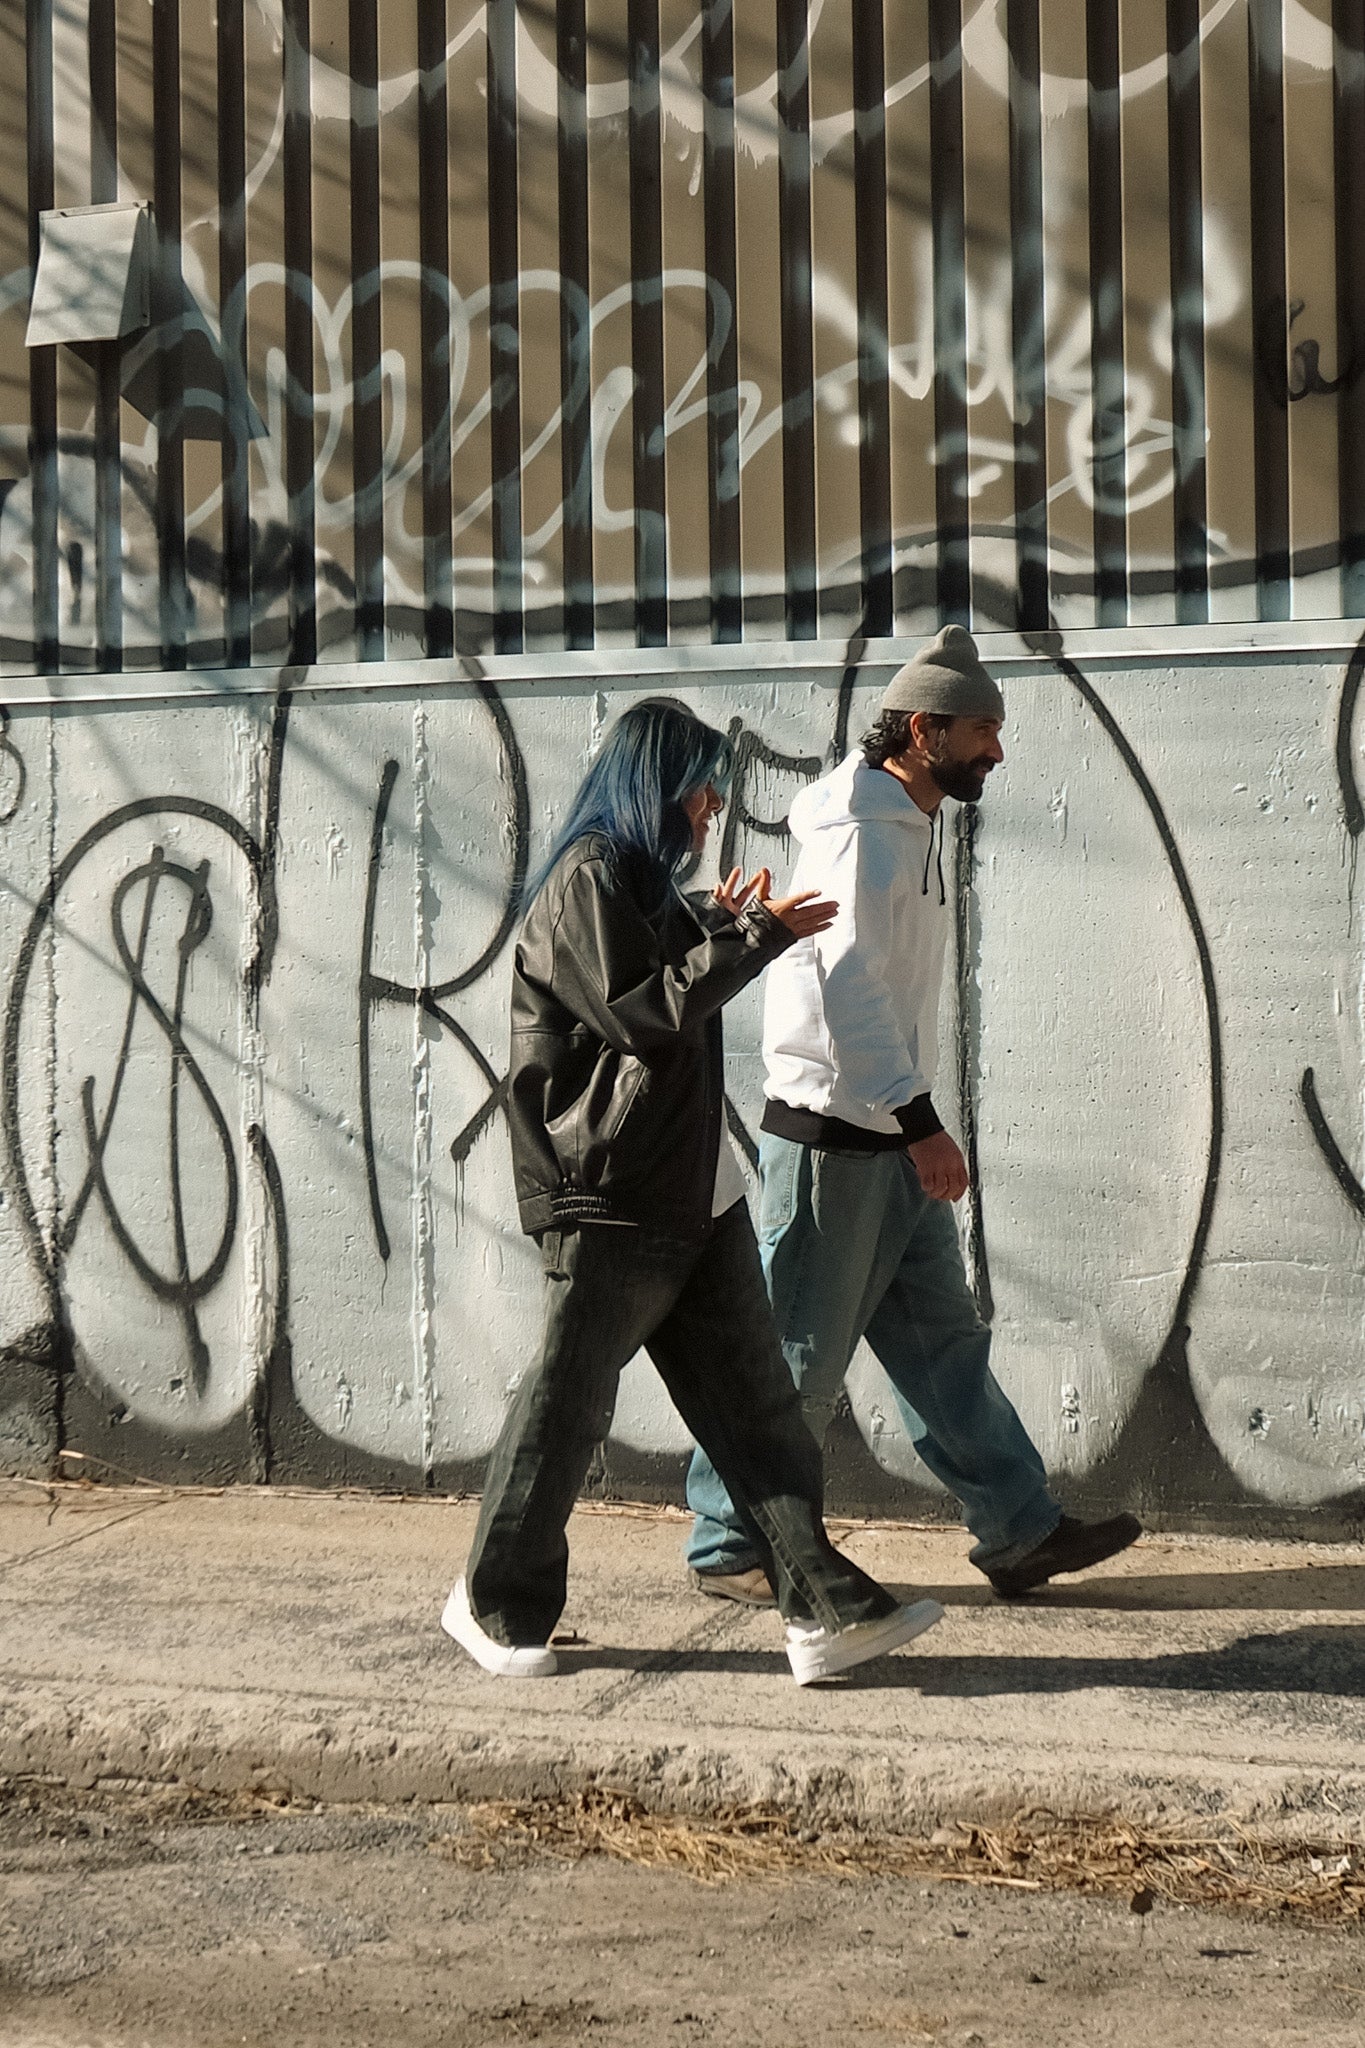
point(858, 1174)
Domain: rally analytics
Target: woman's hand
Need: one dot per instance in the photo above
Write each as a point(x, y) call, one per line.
point(803, 915)
point(733, 893)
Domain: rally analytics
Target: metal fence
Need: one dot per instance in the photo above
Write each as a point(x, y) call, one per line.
point(630, 322)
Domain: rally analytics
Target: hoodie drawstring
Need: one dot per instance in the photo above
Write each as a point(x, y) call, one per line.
point(936, 827)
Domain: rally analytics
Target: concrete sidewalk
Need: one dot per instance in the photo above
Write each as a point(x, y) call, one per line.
point(286, 1639)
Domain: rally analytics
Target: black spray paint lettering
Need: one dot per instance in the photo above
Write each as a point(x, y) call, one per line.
point(183, 1288)
point(17, 771)
point(434, 1000)
point(1353, 817)
point(1279, 350)
point(753, 754)
point(160, 880)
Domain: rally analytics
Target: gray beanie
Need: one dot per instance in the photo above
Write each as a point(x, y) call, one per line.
point(946, 676)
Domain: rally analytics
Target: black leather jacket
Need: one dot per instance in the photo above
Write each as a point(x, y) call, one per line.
point(616, 1087)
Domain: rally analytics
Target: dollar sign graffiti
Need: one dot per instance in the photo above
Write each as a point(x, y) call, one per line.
point(184, 1287)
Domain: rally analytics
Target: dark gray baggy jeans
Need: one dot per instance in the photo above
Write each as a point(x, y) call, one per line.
point(701, 1311)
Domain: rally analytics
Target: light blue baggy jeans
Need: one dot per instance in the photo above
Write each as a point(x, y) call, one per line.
point(853, 1247)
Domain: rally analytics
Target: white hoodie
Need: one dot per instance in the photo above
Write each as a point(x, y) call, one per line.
point(850, 1017)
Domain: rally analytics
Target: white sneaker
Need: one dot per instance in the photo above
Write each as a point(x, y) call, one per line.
point(536, 1661)
point(816, 1653)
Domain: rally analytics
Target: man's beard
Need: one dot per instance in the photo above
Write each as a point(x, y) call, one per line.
point(961, 780)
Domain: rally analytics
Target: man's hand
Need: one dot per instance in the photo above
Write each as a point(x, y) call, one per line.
point(941, 1168)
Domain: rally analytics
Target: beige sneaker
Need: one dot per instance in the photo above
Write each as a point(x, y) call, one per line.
point(750, 1589)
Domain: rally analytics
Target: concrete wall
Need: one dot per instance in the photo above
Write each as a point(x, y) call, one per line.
point(257, 1215)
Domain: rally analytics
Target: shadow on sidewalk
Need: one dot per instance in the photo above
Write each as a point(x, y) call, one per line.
point(1323, 1663)
point(1301, 1589)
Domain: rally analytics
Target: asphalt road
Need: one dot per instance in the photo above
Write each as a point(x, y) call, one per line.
point(123, 1926)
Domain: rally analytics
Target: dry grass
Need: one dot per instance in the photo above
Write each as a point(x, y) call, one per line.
point(1104, 1855)
point(1036, 1851)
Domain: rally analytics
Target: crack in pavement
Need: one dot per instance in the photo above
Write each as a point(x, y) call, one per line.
point(712, 1629)
point(14, 1563)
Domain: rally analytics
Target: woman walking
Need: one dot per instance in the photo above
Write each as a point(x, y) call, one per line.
point(625, 1175)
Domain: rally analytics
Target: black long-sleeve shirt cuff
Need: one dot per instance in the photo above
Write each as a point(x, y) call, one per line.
point(918, 1119)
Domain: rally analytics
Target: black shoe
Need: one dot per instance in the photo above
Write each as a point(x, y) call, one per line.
point(1072, 1547)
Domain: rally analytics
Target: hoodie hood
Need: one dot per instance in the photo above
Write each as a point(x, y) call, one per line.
point(854, 794)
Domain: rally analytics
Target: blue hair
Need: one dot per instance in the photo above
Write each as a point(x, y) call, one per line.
point(655, 755)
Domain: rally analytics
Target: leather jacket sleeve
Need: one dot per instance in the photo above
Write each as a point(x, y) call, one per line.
point(609, 971)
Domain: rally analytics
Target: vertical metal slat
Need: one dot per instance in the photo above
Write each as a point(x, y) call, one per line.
point(722, 325)
point(798, 349)
point(647, 327)
point(1029, 326)
point(948, 210)
point(299, 458)
point(433, 201)
point(504, 325)
point(1109, 429)
point(874, 386)
point(367, 392)
point(42, 362)
point(167, 317)
point(232, 302)
point(575, 321)
point(102, 55)
point(1187, 312)
point(103, 61)
point(1270, 313)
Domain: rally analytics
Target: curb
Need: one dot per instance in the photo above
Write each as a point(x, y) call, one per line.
point(328, 1751)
